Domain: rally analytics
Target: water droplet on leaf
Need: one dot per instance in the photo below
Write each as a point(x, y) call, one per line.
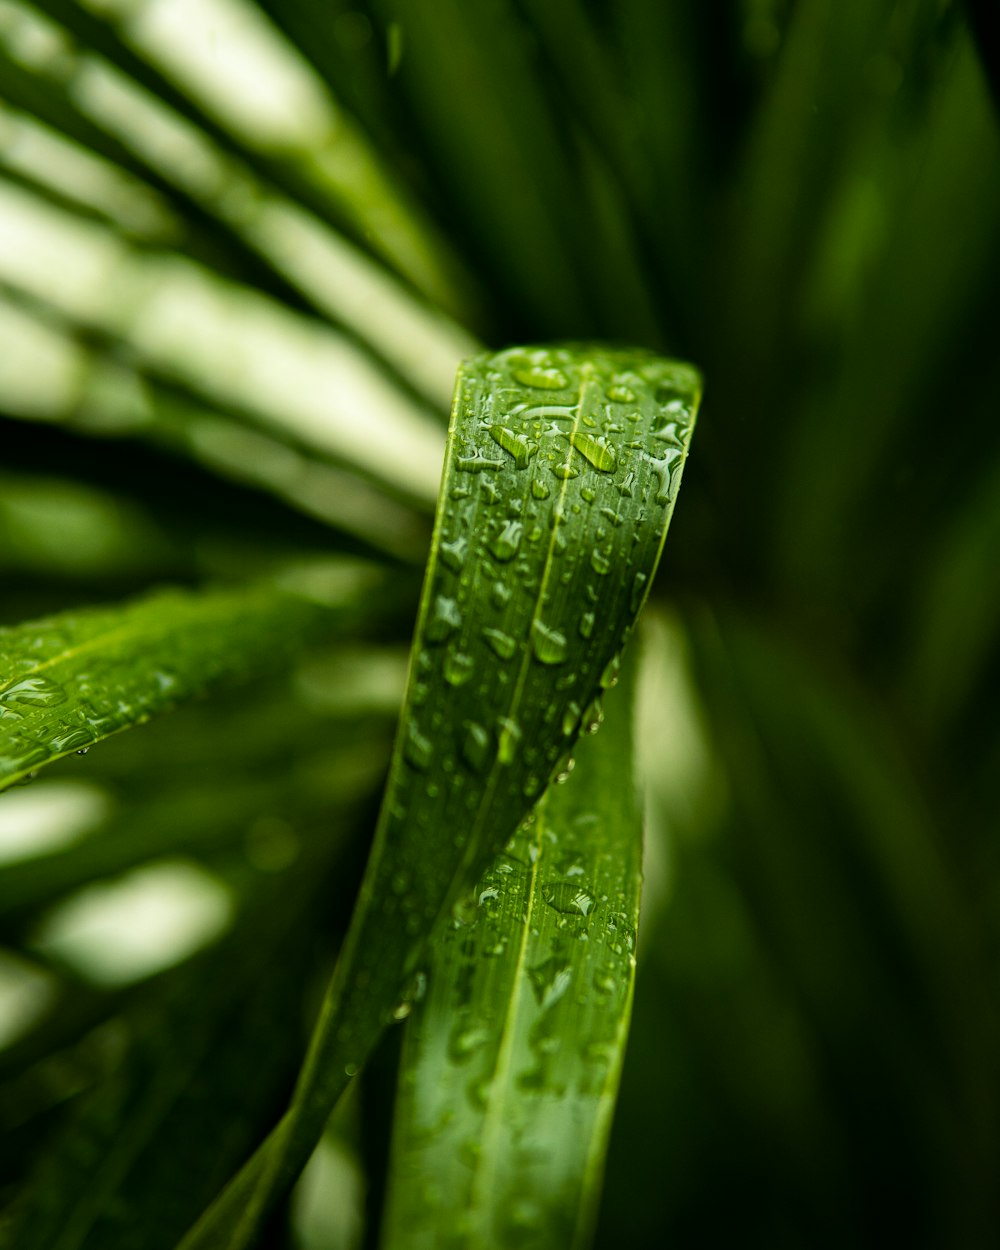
point(445, 618)
point(595, 450)
point(505, 545)
point(417, 749)
point(549, 645)
point(33, 692)
point(475, 745)
point(477, 464)
point(453, 554)
point(620, 394)
point(568, 897)
point(611, 672)
point(593, 717)
point(457, 668)
point(638, 590)
point(544, 379)
point(508, 736)
point(550, 979)
point(516, 444)
point(501, 644)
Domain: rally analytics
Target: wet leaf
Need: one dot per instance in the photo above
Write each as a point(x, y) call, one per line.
point(70, 680)
point(541, 560)
point(512, 1056)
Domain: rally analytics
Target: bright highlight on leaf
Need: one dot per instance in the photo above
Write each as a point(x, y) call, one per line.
point(539, 565)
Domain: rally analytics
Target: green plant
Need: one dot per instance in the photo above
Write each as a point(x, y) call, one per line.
point(243, 250)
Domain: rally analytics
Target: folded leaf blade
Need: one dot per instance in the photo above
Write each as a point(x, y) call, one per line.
point(512, 1057)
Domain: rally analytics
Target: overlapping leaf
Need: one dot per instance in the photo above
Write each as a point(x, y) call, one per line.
point(561, 474)
point(512, 1057)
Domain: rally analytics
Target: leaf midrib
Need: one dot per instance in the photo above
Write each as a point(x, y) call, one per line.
point(474, 849)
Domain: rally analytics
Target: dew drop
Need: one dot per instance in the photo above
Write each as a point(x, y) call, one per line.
point(417, 749)
point(78, 739)
point(508, 736)
point(457, 668)
point(543, 379)
point(564, 768)
point(670, 398)
point(477, 464)
point(669, 433)
point(549, 645)
point(611, 672)
point(500, 594)
point(465, 1041)
point(595, 450)
point(444, 620)
point(638, 590)
point(586, 624)
point(33, 692)
point(571, 718)
point(620, 394)
point(604, 982)
point(505, 545)
point(568, 898)
point(625, 486)
point(564, 471)
point(516, 444)
point(600, 561)
point(665, 469)
point(475, 745)
point(501, 644)
point(550, 979)
point(587, 494)
point(540, 489)
point(453, 554)
point(593, 717)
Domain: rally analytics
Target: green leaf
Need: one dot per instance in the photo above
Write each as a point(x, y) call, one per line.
point(70, 680)
point(145, 1148)
point(512, 1058)
point(560, 479)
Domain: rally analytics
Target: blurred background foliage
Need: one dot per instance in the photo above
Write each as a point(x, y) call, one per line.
point(242, 249)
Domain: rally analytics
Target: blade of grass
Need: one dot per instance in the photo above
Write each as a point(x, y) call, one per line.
point(560, 478)
point(512, 1059)
point(68, 681)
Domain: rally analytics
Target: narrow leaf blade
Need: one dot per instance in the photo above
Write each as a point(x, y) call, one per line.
point(70, 680)
point(512, 1058)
